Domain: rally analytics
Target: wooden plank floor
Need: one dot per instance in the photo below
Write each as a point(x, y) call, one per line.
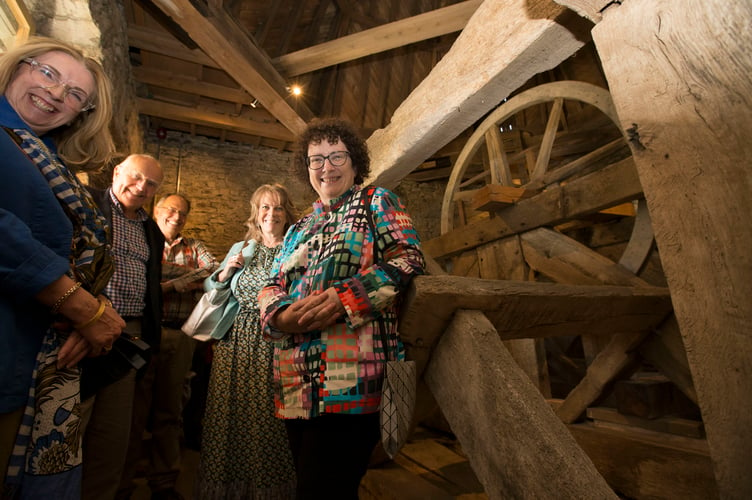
point(431, 465)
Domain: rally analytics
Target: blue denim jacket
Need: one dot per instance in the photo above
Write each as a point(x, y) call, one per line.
point(35, 239)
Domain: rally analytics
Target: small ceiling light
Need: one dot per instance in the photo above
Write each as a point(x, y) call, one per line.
point(295, 90)
point(254, 103)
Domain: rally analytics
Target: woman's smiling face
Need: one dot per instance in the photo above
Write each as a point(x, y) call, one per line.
point(330, 182)
point(44, 108)
point(271, 216)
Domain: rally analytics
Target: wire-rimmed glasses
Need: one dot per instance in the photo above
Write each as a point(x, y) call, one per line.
point(48, 77)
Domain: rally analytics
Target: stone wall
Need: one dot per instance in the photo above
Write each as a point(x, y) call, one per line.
point(219, 179)
point(423, 200)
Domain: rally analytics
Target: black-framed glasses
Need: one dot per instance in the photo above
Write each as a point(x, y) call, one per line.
point(336, 159)
point(48, 77)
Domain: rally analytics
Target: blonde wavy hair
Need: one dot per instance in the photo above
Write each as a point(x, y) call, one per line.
point(86, 143)
point(277, 191)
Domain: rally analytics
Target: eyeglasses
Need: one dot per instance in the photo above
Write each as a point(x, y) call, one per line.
point(48, 78)
point(336, 159)
point(137, 177)
point(175, 211)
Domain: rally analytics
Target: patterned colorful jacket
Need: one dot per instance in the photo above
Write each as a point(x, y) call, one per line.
point(340, 369)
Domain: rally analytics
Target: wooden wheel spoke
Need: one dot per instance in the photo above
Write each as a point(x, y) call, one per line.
point(497, 158)
point(576, 134)
point(580, 165)
point(534, 152)
point(544, 153)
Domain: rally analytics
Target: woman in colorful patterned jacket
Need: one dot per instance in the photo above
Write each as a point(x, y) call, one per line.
point(332, 299)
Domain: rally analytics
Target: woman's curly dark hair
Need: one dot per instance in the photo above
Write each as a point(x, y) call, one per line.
point(333, 130)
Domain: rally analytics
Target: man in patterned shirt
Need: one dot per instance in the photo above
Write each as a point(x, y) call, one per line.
point(137, 243)
point(186, 262)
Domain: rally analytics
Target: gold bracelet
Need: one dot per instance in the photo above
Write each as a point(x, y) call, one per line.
point(64, 297)
point(93, 319)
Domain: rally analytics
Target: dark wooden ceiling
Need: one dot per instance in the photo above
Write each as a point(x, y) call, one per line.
point(225, 69)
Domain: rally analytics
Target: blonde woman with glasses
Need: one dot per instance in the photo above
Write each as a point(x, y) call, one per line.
point(55, 111)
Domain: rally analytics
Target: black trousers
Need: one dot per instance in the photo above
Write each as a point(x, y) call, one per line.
point(331, 453)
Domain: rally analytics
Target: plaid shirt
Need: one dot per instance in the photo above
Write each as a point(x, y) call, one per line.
point(340, 369)
point(127, 287)
point(185, 261)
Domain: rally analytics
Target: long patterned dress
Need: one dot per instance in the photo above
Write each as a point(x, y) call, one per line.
point(244, 450)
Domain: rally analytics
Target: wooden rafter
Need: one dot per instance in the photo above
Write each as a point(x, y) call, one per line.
point(180, 83)
point(389, 36)
point(223, 40)
point(160, 43)
point(168, 111)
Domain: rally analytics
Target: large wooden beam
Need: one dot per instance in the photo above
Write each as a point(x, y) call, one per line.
point(514, 442)
point(372, 41)
point(604, 188)
point(529, 309)
point(644, 464)
point(504, 44)
point(565, 260)
point(232, 49)
point(682, 88)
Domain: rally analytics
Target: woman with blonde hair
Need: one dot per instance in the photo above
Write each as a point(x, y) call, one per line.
point(244, 450)
point(85, 141)
point(55, 111)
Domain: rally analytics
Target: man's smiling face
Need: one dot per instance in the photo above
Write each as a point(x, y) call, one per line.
point(171, 215)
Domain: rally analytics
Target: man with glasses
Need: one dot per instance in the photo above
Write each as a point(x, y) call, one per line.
point(186, 262)
point(135, 291)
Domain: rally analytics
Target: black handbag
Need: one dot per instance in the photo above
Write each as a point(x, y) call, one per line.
point(128, 353)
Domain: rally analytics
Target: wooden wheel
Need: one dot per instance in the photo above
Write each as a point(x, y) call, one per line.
point(573, 129)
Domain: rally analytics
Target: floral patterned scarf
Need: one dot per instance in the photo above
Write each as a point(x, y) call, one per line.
point(46, 460)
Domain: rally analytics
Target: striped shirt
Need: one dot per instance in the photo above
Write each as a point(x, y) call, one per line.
point(185, 261)
point(127, 287)
point(340, 369)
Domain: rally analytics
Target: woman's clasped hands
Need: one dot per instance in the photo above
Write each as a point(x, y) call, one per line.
point(314, 312)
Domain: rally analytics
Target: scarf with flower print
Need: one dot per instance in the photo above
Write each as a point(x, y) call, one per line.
point(46, 459)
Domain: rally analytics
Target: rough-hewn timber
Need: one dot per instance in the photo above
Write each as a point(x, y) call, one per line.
point(683, 92)
point(516, 445)
point(504, 44)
